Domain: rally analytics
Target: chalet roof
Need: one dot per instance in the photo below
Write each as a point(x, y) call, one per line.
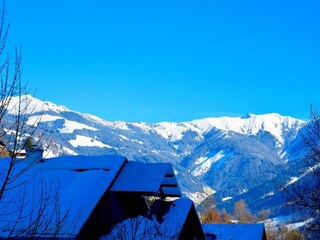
point(76, 182)
point(156, 179)
point(254, 231)
point(178, 212)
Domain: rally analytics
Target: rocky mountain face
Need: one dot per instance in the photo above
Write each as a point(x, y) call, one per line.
point(231, 156)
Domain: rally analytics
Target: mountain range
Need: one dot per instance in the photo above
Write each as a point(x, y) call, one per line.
point(231, 157)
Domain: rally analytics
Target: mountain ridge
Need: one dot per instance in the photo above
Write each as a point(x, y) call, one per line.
point(209, 155)
point(203, 124)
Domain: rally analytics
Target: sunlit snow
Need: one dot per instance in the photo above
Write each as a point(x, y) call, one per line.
point(87, 142)
point(226, 199)
point(33, 105)
point(273, 123)
point(70, 126)
point(174, 131)
point(122, 137)
point(143, 126)
point(203, 164)
point(268, 194)
point(198, 197)
point(292, 180)
point(36, 119)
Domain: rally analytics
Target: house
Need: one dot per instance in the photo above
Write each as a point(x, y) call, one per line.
point(234, 231)
point(87, 197)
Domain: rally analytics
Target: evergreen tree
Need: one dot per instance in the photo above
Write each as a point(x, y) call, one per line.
point(28, 144)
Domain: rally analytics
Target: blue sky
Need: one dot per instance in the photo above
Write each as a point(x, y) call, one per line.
point(170, 60)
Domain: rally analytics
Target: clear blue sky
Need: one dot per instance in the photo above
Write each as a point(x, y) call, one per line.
point(170, 60)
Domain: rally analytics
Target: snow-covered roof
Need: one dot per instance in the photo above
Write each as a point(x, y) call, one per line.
point(141, 228)
point(178, 212)
point(70, 188)
point(76, 183)
point(235, 231)
point(157, 179)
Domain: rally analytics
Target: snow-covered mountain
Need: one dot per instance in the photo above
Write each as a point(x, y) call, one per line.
point(229, 155)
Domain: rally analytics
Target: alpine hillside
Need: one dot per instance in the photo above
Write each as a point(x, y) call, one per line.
point(233, 157)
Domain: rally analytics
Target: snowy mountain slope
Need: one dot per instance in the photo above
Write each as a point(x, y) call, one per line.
point(233, 163)
point(270, 195)
point(273, 123)
point(213, 153)
point(71, 132)
point(33, 105)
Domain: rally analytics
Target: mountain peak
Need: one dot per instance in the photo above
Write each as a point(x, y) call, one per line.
point(33, 105)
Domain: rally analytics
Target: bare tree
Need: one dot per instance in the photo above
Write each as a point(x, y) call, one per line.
point(26, 208)
point(208, 211)
point(305, 194)
point(282, 232)
point(142, 228)
point(262, 215)
point(13, 129)
point(225, 216)
point(290, 234)
point(241, 212)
